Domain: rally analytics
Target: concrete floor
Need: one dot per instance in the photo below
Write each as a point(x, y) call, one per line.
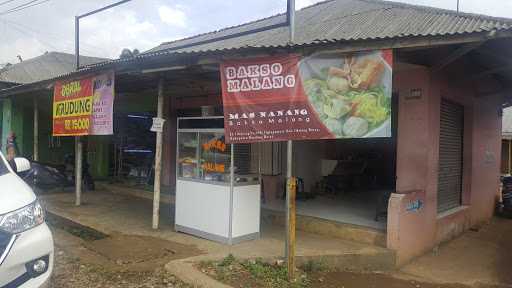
point(109, 213)
point(482, 257)
point(357, 208)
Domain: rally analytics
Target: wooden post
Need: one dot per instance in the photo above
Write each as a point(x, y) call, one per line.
point(78, 170)
point(158, 156)
point(36, 130)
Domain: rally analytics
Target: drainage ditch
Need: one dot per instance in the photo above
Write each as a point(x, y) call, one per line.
point(83, 232)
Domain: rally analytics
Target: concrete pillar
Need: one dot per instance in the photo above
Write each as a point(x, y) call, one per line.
point(169, 145)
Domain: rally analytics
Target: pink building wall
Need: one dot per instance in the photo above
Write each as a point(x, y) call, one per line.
point(412, 232)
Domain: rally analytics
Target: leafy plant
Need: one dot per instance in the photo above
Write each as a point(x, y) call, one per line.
point(228, 260)
point(314, 266)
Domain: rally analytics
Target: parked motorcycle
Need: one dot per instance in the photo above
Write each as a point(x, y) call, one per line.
point(44, 176)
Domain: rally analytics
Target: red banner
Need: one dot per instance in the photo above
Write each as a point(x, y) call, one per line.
point(72, 107)
point(324, 96)
point(84, 106)
point(264, 100)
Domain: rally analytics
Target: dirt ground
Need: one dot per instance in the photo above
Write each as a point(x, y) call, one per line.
point(115, 261)
point(373, 280)
point(479, 258)
point(257, 274)
point(482, 255)
point(71, 272)
point(86, 258)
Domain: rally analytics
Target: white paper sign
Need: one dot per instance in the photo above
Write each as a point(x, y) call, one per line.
point(158, 124)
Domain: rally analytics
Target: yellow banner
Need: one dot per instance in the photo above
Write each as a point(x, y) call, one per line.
point(73, 108)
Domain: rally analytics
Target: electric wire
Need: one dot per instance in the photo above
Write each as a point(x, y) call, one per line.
point(92, 49)
point(21, 7)
point(6, 2)
point(32, 33)
point(26, 34)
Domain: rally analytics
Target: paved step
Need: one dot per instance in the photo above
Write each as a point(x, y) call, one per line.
point(329, 228)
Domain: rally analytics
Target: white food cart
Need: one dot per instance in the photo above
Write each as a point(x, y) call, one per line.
point(217, 184)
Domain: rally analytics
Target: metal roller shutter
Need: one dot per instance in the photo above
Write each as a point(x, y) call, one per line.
point(451, 136)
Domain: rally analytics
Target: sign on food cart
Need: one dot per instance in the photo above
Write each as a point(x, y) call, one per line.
point(84, 106)
point(323, 96)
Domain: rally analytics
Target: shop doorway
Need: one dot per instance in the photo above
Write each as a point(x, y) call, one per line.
point(451, 143)
point(133, 148)
point(346, 181)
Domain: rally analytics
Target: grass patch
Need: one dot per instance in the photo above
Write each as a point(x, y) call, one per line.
point(253, 273)
point(314, 266)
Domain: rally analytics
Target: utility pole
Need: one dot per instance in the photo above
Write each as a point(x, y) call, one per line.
point(458, 5)
point(77, 27)
point(291, 181)
point(78, 142)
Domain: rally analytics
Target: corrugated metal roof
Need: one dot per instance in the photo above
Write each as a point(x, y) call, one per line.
point(327, 22)
point(338, 20)
point(46, 66)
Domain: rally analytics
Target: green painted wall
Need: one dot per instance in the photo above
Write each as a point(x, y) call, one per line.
point(6, 121)
point(25, 127)
point(52, 149)
point(17, 115)
point(98, 156)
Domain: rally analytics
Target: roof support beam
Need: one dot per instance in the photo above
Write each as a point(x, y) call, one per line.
point(457, 54)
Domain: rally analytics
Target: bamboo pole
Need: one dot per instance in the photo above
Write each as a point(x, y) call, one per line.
point(290, 231)
point(158, 157)
point(36, 130)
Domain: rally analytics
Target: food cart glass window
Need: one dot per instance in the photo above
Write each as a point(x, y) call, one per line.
point(188, 155)
point(215, 157)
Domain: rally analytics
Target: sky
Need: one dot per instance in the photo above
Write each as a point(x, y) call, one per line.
point(144, 24)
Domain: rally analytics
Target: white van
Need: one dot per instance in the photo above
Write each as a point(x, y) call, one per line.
point(26, 243)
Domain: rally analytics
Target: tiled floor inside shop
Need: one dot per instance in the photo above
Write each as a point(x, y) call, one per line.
point(358, 208)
